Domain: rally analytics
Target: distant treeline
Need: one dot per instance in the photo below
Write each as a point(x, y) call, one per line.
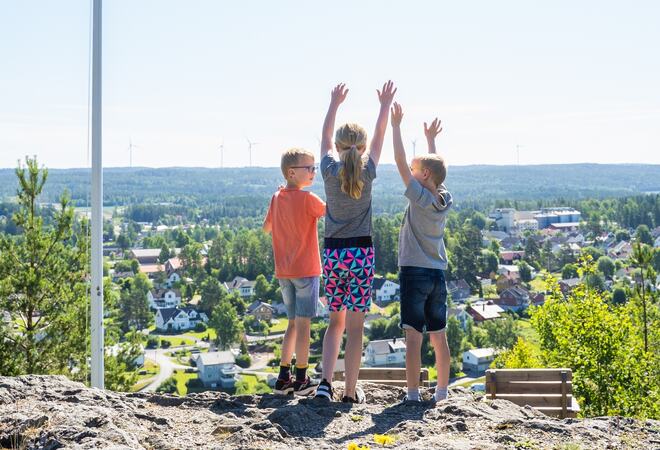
point(174, 195)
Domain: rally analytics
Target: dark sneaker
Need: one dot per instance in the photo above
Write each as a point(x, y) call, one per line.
point(283, 387)
point(359, 397)
point(324, 390)
point(407, 401)
point(304, 387)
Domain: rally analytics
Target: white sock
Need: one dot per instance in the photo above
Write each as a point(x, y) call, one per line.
point(413, 395)
point(440, 393)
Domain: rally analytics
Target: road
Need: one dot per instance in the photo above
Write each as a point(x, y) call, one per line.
point(256, 338)
point(167, 366)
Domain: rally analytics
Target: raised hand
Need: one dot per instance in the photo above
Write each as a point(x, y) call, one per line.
point(386, 95)
point(397, 114)
point(432, 131)
point(338, 94)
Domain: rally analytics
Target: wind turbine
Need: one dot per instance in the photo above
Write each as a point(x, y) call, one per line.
point(222, 154)
point(250, 144)
point(414, 143)
point(130, 151)
point(518, 154)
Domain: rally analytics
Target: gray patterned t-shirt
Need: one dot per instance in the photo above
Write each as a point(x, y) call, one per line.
point(346, 217)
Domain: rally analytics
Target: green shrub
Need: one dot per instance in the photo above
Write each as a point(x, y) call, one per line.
point(152, 342)
point(243, 360)
point(168, 386)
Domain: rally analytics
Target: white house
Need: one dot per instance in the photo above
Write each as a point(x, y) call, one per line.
point(512, 272)
point(217, 369)
point(243, 286)
point(173, 271)
point(179, 319)
point(164, 298)
point(385, 353)
point(477, 360)
point(460, 312)
point(385, 290)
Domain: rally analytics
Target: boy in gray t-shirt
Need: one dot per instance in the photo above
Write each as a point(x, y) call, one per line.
point(422, 257)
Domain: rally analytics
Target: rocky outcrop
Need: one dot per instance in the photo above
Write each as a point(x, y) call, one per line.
point(47, 412)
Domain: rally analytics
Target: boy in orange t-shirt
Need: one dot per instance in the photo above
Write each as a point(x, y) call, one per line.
point(292, 219)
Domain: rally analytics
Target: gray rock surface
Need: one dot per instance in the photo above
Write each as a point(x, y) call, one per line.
point(49, 412)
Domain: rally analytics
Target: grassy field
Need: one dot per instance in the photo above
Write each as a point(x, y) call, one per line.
point(249, 384)
point(181, 378)
point(471, 382)
point(177, 341)
point(280, 326)
point(202, 335)
point(528, 332)
point(152, 370)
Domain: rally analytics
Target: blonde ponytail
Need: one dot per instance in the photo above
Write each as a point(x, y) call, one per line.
point(351, 139)
point(351, 172)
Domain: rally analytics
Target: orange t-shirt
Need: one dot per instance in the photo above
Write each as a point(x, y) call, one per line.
point(292, 218)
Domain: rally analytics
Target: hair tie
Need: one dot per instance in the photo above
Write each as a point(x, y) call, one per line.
point(353, 147)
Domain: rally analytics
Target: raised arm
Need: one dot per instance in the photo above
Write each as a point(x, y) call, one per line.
point(385, 97)
point(431, 132)
point(337, 96)
point(399, 151)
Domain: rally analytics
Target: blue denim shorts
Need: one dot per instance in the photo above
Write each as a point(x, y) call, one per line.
point(300, 295)
point(423, 299)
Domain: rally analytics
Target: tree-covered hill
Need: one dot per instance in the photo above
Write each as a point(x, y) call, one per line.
point(237, 188)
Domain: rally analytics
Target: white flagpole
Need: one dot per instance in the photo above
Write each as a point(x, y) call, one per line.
point(97, 378)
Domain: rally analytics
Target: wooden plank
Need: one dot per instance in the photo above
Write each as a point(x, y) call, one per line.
point(531, 374)
point(532, 387)
point(491, 384)
point(535, 400)
point(564, 377)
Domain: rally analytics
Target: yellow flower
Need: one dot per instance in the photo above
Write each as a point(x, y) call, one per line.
point(354, 446)
point(383, 439)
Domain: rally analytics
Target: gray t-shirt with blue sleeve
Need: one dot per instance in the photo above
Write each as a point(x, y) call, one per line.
point(346, 217)
point(421, 241)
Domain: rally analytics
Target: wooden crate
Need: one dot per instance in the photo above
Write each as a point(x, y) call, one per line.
point(391, 376)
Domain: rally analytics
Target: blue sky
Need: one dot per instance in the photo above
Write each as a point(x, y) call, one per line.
point(567, 81)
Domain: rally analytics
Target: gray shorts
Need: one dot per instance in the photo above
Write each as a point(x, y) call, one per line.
point(300, 295)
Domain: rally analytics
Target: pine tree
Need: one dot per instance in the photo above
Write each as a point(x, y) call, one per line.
point(42, 282)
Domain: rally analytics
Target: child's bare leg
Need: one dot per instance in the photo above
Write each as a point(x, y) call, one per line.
point(413, 360)
point(302, 341)
point(290, 338)
point(441, 349)
point(331, 343)
point(353, 353)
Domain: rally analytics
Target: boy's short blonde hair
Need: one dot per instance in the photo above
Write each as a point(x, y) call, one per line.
point(436, 165)
point(292, 157)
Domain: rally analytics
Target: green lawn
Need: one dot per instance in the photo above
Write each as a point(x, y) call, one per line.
point(152, 370)
point(201, 335)
point(470, 383)
point(177, 341)
point(527, 332)
point(250, 384)
point(279, 327)
point(181, 378)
